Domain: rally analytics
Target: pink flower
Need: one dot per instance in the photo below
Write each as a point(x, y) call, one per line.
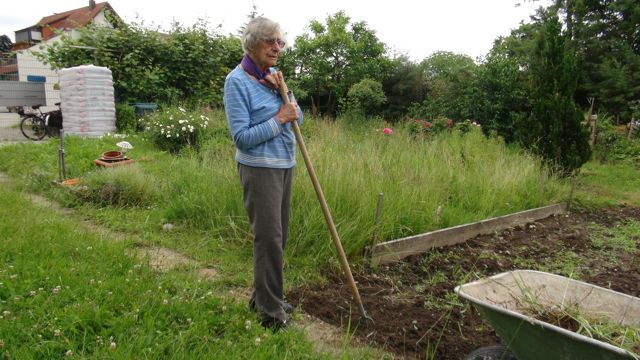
point(387, 131)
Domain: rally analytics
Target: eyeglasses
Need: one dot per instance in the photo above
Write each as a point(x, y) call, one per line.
point(274, 41)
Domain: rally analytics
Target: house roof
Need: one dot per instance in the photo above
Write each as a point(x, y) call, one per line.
point(67, 20)
point(73, 18)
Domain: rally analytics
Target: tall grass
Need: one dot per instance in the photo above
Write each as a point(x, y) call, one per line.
point(463, 178)
point(468, 178)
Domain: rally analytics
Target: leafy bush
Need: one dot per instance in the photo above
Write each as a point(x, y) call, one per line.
point(186, 64)
point(365, 97)
point(125, 118)
point(174, 128)
point(420, 127)
point(125, 186)
point(613, 144)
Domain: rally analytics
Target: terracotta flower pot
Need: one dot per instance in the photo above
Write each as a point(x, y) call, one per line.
point(112, 155)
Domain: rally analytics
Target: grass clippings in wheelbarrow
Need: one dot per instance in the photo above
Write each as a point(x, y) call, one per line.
point(596, 327)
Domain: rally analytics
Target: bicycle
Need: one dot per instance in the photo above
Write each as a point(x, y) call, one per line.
point(36, 126)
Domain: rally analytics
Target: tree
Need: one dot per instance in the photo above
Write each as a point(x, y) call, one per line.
point(500, 93)
point(252, 15)
point(553, 127)
point(405, 85)
point(333, 57)
point(607, 38)
point(5, 44)
point(449, 77)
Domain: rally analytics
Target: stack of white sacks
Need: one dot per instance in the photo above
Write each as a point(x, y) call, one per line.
point(88, 106)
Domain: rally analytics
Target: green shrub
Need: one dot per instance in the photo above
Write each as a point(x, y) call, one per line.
point(465, 126)
point(365, 97)
point(124, 186)
point(615, 145)
point(424, 128)
point(125, 118)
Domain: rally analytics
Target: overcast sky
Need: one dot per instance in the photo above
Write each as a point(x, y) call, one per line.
point(413, 27)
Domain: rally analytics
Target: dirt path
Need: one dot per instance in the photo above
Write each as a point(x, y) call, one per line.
point(413, 301)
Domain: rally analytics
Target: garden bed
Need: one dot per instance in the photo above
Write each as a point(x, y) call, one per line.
point(416, 310)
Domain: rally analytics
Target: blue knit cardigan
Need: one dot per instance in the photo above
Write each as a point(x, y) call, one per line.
point(260, 139)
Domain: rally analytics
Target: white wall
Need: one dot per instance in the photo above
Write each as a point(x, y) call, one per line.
point(29, 65)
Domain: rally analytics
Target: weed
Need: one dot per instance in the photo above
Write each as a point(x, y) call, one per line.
point(120, 186)
point(621, 237)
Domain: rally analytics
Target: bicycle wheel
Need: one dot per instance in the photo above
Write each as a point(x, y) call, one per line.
point(33, 127)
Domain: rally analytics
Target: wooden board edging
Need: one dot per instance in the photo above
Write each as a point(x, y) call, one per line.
point(395, 250)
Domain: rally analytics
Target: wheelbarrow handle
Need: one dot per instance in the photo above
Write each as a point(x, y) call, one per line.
point(284, 93)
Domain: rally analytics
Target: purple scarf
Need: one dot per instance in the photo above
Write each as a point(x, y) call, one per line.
point(252, 69)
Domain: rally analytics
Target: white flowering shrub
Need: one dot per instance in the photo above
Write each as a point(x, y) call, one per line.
point(175, 128)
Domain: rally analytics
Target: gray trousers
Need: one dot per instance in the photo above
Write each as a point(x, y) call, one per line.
point(267, 198)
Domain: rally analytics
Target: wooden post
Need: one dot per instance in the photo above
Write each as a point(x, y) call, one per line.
point(633, 128)
point(314, 108)
point(574, 178)
point(374, 237)
point(543, 179)
point(592, 119)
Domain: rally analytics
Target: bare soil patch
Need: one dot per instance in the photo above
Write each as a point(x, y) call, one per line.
point(413, 303)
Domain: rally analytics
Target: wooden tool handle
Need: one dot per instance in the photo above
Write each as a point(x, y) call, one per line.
point(284, 93)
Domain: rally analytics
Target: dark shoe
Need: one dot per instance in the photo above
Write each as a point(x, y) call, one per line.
point(288, 308)
point(274, 324)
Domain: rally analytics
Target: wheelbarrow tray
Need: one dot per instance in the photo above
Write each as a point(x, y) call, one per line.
point(500, 299)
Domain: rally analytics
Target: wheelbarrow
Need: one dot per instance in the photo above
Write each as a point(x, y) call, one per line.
point(505, 300)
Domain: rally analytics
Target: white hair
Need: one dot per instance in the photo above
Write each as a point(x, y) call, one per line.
point(258, 29)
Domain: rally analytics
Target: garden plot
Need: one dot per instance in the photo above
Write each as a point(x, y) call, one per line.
point(418, 314)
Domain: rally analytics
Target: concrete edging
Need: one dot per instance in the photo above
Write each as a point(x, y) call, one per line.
point(396, 250)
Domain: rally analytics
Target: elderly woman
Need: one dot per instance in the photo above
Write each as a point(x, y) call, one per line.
point(260, 126)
